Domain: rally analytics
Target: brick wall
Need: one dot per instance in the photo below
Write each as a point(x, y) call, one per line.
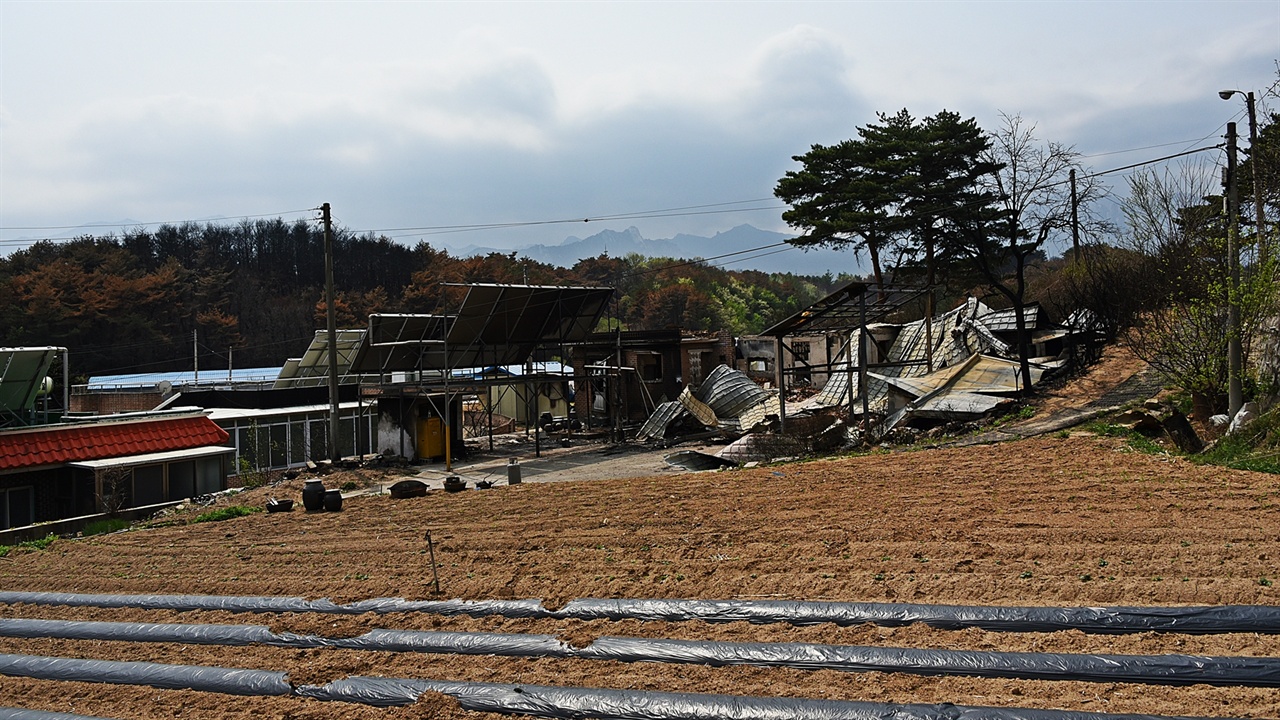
point(116, 402)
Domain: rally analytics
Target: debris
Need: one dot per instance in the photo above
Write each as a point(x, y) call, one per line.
point(1180, 431)
point(409, 489)
point(698, 461)
point(1139, 420)
point(1247, 413)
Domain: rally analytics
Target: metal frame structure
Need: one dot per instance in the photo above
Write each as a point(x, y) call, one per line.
point(849, 308)
point(494, 325)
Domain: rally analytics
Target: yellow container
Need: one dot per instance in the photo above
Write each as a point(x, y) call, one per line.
point(430, 437)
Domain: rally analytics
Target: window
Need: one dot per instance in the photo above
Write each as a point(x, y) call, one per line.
point(182, 480)
point(148, 485)
point(650, 367)
point(17, 507)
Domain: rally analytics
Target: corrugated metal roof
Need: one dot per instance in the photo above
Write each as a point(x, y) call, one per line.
point(730, 392)
point(978, 374)
point(656, 426)
point(1006, 320)
point(57, 445)
point(150, 380)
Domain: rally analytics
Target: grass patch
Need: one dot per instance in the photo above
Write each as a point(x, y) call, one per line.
point(226, 513)
point(40, 543)
point(1254, 447)
point(1132, 438)
point(109, 525)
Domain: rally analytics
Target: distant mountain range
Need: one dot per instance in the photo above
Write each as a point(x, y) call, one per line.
point(768, 252)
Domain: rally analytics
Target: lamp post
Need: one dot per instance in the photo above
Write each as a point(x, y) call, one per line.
point(1235, 360)
point(1263, 253)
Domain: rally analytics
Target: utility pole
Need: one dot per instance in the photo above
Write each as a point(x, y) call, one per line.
point(1075, 218)
point(332, 323)
point(195, 357)
point(1235, 394)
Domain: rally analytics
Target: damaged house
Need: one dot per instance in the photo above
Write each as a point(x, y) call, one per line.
point(957, 365)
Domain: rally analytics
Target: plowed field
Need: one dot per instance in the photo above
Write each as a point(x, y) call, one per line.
point(1055, 520)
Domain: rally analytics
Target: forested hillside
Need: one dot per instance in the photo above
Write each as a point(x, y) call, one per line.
point(255, 291)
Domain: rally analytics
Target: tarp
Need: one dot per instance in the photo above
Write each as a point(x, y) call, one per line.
point(1197, 620)
point(230, 681)
point(7, 713)
point(562, 702)
point(1193, 620)
point(1153, 669)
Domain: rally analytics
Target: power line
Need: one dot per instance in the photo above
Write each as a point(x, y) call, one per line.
point(644, 215)
point(148, 224)
point(1157, 160)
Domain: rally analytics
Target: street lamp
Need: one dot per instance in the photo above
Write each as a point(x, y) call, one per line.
point(1234, 358)
point(1257, 161)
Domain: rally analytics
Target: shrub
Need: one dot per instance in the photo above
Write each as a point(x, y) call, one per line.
point(38, 544)
point(226, 513)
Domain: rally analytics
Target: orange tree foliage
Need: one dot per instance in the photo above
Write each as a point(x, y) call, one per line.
point(131, 303)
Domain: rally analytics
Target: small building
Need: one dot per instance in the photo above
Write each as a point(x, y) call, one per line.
point(806, 362)
point(655, 367)
point(527, 402)
point(54, 472)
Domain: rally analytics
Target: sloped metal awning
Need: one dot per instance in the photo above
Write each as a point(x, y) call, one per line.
point(401, 343)
point(494, 325)
point(843, 309)
point(980, 374)
point(153, 458)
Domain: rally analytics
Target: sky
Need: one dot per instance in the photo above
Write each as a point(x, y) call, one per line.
point(424, 120)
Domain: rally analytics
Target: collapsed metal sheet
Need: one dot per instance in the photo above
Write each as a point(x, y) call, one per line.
point(758, 415)
point(697, 408)
point(655, 428)
point(730, 392)
point(697, 461)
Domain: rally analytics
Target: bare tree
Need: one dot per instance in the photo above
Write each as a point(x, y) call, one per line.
point(113, 488)
point(1179, 228)
point(1033, 207)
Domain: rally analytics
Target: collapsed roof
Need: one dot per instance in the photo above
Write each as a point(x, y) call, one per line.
point(727, 399)
point(962, 333)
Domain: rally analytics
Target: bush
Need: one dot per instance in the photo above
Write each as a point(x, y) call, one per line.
point(226, 513)
point(40, 544)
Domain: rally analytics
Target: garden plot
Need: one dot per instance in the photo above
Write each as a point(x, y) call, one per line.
point(1053, 521)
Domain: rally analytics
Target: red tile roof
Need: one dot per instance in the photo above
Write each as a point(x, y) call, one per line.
point(35, 447)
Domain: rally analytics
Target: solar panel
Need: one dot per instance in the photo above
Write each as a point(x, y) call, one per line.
point(312, 369)
point(22, 374)
point(494, 325)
